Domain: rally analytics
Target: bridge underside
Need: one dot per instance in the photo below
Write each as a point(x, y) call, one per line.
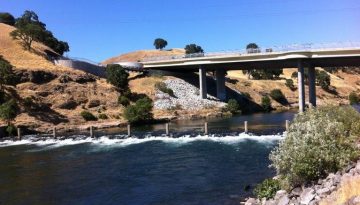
point(300, 63)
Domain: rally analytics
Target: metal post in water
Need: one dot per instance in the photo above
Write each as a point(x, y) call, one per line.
point(19, 133)
point(54, 132)
point(167, 129)
point(246, 127)
point(91, 131)
point(129, 130)
point(206, 130)
point(287, 123)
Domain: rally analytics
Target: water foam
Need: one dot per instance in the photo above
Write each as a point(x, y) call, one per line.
point(121, 141)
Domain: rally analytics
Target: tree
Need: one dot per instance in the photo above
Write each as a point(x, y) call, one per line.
point(6, 73)
point(117, 76)
point(252, 48)
point(354, 98)
point(266, 103)
point(8, 111)
point(264, 74)
point(27, 34)
point(160, 43)
point(7, 18)
point(193, 48)
point(323, 79)
point(140, 111)
point(232, 106)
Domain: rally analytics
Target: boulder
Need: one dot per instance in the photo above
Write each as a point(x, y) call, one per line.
point(296, 191)
point(251, 201)
point(284, 200)
point(93, 103)
point(307, 195)
point(279, 194)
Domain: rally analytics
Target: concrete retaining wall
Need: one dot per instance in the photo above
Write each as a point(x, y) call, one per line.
point(84, 66)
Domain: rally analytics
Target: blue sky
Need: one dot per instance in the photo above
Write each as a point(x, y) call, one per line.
point(99, 29)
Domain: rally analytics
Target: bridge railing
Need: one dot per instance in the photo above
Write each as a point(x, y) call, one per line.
point(264, 50)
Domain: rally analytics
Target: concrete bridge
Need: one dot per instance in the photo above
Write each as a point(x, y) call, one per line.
point(300, 57)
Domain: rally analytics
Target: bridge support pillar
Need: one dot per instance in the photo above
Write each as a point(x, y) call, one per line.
point(301, 87)
point(220, 84)
point(312, 86)
point(202, 83)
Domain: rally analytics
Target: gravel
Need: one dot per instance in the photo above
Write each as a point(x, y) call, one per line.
point(186, 96)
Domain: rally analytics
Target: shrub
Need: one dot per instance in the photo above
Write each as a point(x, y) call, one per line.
point(354, 98)
point(319, 142)
point(117, 76)
point(88, 116)
point(11, 130)
point(278, 96)
point(163, 88)
point(266, 103)
point(7, 18)
point(8, 111)
point(232, 106)
point(323, 80)
point(264, 74)
point(267, 189)
point(294, 74)
point(6, 73)
point(124, 101)
point(103, 116)
point(290, 84)
point(140, 111)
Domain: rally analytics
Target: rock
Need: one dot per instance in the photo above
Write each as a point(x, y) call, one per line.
point(65, 78)
point(284, 200)
point(279, 194)
point(307, 195)
point(251, 201)
point(68, 105)
point(355, 200)
point(93, 103)
point(86, 78)
point(270, 202)
point(297, 191)
point(323, 191)
point(37, 77)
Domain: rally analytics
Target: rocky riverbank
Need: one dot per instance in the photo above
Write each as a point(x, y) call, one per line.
point(341, 188)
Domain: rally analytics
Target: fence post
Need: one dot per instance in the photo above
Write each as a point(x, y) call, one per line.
point(19, 133)
point(206, 129)
point(246, 127)
point(287, 123)
point(167, 129)
point(129, 130)
point(54, 132)
point(91, 131)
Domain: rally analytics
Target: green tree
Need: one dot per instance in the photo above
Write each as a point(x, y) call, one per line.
point(354, 98)
point(290, 84)
point(8, 111)
point(232, 106)
point(323, 79)
point(193, 48)
point(278, 96)
point(266, 103)
point(27, 34)
point(140, 111)
point(252, 48)
point(7, 18)
point(264, 74)
point(160, 43)
point(117, 76)
point(6, 73)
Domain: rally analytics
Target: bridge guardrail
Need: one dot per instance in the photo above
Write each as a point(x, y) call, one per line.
point(259, 51)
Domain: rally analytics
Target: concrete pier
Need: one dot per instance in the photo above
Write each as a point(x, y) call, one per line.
point(301, 86)
point(312, 86)
point(202, 83)
point(220, 84)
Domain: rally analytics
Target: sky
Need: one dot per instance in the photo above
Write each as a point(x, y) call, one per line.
point(100, 29)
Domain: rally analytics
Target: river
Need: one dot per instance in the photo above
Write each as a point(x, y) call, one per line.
point(149, 168)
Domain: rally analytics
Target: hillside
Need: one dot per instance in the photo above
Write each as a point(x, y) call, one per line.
point(140, 55)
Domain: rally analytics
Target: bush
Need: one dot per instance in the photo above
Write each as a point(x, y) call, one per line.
point(124, 101)
point(267, 189)
point(140, 111)
point(354, 98)
point(8, 111)
point(232, 106)
point(117, 76)
point(7, 18)
point(323, 80)
point(278, 96)
point(163, 88)
point(264, 74)
point(103, 116)
point(88, 116)
point(319, 142)
point(266, 103)
point(6, 73)
point(290, 84)
point(11, 130)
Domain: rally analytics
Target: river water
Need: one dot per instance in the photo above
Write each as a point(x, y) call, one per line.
point(148, 168)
